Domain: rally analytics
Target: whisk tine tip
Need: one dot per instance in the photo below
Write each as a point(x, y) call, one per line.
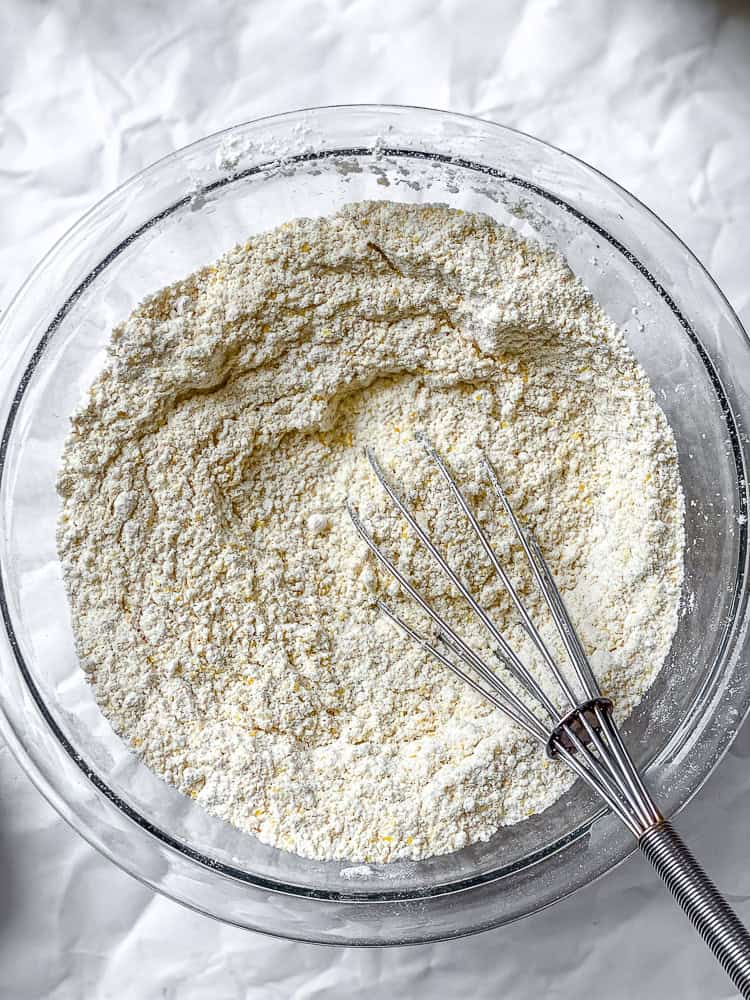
point(356, 520)
point(372, 458)
point(494, 479)
point(421, 438)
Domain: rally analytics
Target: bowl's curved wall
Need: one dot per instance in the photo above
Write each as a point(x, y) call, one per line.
point(180, 214)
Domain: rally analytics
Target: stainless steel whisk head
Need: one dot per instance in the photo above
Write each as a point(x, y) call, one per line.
point(583, 733)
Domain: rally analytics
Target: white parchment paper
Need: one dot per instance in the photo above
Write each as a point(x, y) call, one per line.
point(654, 93)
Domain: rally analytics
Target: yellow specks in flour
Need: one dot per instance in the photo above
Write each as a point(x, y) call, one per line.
point(223, 605)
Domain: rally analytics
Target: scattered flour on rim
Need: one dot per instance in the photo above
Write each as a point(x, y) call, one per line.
point(222, 603)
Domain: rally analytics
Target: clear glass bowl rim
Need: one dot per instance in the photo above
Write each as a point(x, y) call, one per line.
point(6, 726)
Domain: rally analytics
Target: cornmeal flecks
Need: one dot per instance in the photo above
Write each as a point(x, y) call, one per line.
point(223, 605)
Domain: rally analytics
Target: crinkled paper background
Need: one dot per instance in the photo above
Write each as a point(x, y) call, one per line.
point(654, 93)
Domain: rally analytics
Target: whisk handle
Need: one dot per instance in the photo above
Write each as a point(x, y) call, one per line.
point(701, 901)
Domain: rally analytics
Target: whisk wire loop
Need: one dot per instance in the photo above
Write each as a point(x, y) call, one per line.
point(551, 595)
point(447, 662)
point(458, 583)
point(518, 709)
point(519, 605)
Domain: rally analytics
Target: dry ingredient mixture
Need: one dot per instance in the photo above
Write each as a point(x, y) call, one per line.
point(223, 605)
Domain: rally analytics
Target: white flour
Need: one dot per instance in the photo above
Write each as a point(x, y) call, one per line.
point(222, 603)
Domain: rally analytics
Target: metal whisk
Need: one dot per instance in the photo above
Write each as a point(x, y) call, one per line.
point(583, 734)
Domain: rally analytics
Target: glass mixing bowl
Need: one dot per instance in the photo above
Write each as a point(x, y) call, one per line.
point(180, 214)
